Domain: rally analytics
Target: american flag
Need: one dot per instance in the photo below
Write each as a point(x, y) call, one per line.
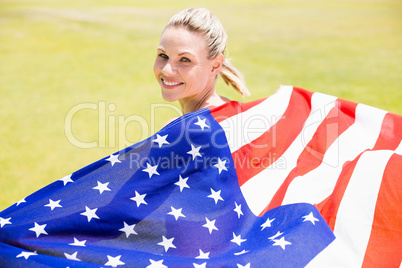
point(343, 157)
point(240, 185)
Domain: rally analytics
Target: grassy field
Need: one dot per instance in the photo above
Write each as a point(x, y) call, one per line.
point(81, 71)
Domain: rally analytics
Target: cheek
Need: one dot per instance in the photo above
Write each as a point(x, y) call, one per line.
point(157, 67)
point(203, 76)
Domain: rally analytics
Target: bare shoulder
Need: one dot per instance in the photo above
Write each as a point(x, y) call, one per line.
point(224, 99)
point(170, 120)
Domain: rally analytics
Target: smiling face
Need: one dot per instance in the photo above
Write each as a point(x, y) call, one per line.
point(182, 67)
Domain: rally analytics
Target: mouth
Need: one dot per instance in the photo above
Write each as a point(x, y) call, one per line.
point(170, 84)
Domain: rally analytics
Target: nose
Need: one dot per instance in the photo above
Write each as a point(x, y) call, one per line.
point(168, 69)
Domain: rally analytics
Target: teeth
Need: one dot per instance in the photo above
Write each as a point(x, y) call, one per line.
point(171, 83)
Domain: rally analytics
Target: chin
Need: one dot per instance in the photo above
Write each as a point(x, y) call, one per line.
point(169, 97)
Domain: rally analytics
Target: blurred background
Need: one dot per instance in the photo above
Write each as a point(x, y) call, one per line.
point(77, 84)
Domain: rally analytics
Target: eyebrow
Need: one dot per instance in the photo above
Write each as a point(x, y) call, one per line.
point(180, 54)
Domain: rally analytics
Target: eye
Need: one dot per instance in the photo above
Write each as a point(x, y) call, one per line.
point(185, 60)
point(163, 56)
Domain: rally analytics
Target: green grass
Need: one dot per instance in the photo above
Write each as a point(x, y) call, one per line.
point(55, 55)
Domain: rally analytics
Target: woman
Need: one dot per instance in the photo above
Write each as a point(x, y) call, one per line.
point(189, 211)
point(189, 58)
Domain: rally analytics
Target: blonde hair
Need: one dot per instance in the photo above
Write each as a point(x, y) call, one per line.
point(202, 21)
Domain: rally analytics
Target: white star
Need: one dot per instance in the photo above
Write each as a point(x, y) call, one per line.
point(90, 213)
point(26, 254)
point(202, 265)
point(275, 235)
point(128, 229)
point(113, 159)
point(54, 204)
point(238, 210)
point(151, 170)
point(201, 123)
point(102, 187)
point(195, 151)
point(176, 213)
point(4, 221)
point(114, 261)
point(72, 256)
point(182, 183)
point(237, 239)
point(160, 140)
point(156, 264)
point(281, 242)
point(139, 198)
point(241, 252)
point(78, 243)
point(39, 229)
point(243, 266)
point(21, 201)
point(210, 225)
point(66, 179)
point(203, 255)
point(221, 165)
point(215, 195)
point(267, 223)
point(310, 217)
point(167, 243)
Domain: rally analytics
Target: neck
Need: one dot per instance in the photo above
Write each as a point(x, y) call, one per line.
point(192, 104)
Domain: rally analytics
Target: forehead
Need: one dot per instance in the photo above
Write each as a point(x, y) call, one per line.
point(182, 40)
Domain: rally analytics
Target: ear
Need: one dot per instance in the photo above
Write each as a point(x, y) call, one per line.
point(217, 64)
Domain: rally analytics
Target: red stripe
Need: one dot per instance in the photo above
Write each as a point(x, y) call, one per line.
point(389, 138)
point(385, 245)
point(254, 157)
point(330, 206)
point(232, 108)
point(339, 119)
point(391, 132)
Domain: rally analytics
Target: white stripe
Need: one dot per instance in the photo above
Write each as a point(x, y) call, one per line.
point(245, 127)
point(356, 213)
point(398, 150)
point(259, 190)
point(319, 183)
